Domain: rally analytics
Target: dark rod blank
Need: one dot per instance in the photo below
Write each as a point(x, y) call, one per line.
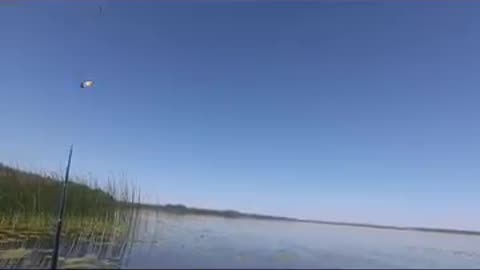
point(61, 210)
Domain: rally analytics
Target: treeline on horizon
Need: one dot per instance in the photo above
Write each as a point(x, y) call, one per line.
point(25, 193)
point(182, 209)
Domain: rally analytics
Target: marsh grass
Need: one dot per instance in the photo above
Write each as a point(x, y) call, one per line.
point(98, 220)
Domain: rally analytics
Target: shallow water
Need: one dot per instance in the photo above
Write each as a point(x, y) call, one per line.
point(165, 240)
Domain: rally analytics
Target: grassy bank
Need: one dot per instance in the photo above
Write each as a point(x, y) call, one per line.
point(97, 222)
point(30, 201)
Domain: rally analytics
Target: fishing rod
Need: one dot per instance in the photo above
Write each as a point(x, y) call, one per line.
point(61, 210)
point(63, 198)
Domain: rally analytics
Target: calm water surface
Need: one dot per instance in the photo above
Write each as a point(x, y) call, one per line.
point(164, 240)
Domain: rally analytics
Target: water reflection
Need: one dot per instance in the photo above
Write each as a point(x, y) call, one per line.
point(187, 241)
point(157, 239)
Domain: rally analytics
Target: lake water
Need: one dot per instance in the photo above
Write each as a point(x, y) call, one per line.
point(165, 240)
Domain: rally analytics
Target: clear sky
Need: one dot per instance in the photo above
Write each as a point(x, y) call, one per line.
point(364, 112)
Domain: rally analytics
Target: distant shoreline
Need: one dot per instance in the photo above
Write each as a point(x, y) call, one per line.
point(181, 209)
point(30, 183)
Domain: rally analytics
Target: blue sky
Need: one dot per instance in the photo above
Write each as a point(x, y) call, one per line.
point(362, 112)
